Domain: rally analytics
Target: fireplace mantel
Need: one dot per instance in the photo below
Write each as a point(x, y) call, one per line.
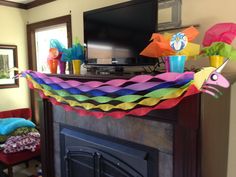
point(185, 119)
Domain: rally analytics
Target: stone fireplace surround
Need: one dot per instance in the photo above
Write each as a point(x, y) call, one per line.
point(155, 134)
point(175, 133)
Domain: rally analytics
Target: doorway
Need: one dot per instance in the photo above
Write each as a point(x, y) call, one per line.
point(34, 30)
point(38, 39)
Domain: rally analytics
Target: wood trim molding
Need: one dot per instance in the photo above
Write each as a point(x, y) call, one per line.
point(47, 144)
point(13, 4)
point(187, 152)
point(31, 28)
point(37, 3)
point(46, 126)
point(24, 6)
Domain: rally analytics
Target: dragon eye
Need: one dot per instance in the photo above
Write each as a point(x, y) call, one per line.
point(214, 77)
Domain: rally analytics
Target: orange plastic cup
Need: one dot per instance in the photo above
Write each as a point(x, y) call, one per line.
point(53, 63)
point(216, 61)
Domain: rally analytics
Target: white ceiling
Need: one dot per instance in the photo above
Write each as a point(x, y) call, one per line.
point(22, 1)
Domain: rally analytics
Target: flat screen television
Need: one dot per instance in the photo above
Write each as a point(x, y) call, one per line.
point(115, 35)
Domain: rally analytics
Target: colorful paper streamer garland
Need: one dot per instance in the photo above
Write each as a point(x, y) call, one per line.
point(118, 97)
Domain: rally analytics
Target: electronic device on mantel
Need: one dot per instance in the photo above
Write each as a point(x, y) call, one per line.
point(115, 35)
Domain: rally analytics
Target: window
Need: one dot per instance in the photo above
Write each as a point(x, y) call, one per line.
point(169, 14)
point(43, 36)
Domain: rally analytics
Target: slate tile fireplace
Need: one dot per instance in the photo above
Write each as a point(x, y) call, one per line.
point(142, 148)
point(164, 143)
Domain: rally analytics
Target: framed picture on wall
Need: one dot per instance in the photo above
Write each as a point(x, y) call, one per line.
point(8, 61)
point(169, 14)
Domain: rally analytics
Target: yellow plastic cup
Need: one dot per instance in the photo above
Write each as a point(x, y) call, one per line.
point(76, 66)
point(216, 61)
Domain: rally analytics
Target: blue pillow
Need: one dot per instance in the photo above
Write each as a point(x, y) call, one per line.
point(9, 125)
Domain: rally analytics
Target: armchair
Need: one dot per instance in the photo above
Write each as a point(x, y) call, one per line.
point(9, 160)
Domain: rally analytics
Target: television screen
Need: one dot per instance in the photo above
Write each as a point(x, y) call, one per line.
point(115, 35)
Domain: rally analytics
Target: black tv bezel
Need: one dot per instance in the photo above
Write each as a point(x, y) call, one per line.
point(117, 6)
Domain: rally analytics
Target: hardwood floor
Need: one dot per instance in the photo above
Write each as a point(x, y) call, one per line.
point(22, 171)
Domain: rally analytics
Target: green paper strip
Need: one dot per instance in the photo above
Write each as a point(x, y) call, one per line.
point(107, 107)
point(126, 98)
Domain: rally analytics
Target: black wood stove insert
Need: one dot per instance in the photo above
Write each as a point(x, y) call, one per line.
point(90, 154)
point(108, 147)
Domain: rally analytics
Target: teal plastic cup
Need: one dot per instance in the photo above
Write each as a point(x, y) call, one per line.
point(177, 63)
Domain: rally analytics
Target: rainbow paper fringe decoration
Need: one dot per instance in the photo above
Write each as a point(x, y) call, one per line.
point(118, 97)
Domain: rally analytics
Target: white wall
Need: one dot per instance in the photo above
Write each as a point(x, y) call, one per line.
point(207, 13)
point(65, 7)
point(13, 32)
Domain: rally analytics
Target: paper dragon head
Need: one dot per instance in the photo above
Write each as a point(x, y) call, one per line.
point(213, 78)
